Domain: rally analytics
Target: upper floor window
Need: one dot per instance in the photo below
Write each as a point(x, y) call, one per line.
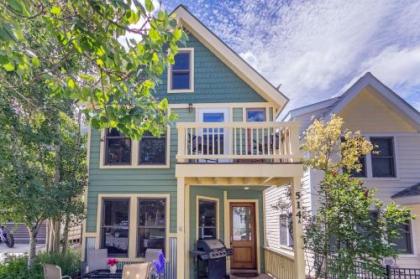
point(255, 115)
point(181, 73)
point(152, 150)
point(117, 148)
point(383, 158)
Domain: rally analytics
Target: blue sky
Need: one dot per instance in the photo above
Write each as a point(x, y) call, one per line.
point(316, 48)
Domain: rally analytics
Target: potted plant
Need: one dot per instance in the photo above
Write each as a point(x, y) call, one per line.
point(112, 263)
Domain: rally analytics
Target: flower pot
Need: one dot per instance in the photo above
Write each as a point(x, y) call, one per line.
point(113, 269)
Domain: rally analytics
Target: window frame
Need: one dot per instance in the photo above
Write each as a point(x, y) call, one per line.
point(191, 69)
point(197, 214)
point(133, 211)
point(135, 145)
point(394, 157)
point(411, 241)
point(105, 139)
point(165, 228)
point(102, 219)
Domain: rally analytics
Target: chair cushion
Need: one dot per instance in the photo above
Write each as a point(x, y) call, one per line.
point(97, 259)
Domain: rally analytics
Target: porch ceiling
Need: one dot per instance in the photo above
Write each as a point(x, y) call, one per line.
point(237, 181)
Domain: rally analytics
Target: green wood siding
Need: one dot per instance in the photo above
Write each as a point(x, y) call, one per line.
point(133, 180)
point(214, 82)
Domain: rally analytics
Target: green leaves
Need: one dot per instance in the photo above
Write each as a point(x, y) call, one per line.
point(9, 67)
point(55, 10)
point(149, 5)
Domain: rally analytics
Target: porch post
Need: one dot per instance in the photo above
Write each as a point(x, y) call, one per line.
point(297, 229)
point(180, 251)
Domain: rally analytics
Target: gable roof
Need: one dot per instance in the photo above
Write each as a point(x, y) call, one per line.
point(409, 192)
point(238, 65)
point(335, 105)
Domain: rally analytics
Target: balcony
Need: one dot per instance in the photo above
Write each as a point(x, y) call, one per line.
point(238, 143)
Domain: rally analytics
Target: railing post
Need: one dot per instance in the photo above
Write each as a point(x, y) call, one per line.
point(181, 143)
point(388, 271)
point(294, 142)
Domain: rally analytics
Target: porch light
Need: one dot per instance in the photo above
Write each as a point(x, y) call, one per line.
point(190, 107)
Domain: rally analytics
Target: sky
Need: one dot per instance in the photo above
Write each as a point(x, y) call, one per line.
point(317, 48)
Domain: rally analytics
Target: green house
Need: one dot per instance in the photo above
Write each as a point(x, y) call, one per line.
point(205, 177)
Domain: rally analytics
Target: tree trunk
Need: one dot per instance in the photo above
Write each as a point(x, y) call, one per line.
point(66, 234)
point(33, 232)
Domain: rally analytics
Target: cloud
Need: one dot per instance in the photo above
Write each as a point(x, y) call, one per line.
point(314, 48)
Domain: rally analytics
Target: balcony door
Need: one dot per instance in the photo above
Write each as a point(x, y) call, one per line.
point(214, 140)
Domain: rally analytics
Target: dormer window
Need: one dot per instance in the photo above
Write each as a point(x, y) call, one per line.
point(181, 73)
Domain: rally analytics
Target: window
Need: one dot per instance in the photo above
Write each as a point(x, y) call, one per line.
point(403, 244)
point(383, 164)
point(286, 232)
point(255, 115)
point(117, 148)
point(181, 72)
point(152, 150)
point(151, 225)
point(207, 219)
point(114, 227)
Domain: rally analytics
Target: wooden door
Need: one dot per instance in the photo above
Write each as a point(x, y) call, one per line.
point(243, 236)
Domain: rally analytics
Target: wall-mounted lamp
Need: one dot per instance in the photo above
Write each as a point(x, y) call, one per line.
point(190, 107)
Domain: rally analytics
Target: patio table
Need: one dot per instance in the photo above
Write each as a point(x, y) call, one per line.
point(103, 274)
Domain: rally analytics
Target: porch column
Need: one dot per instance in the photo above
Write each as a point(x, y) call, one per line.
point(297, 228)
point(180, 222)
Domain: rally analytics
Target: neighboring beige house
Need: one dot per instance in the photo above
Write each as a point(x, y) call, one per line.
point(391, 124)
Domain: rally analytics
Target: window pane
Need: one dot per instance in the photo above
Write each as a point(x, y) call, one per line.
point(242, 226)
point(383, 164)
point(403, 244)
point(152, 150)
point(115, 220)
point(182, 61)
point(151, 225)
point(213, 117)
point(117, 148)
point(255, 115)
point(207, 219)
point(283, 230)
point(181, 80)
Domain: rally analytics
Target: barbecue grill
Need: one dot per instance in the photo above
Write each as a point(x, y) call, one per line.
point(211, 258)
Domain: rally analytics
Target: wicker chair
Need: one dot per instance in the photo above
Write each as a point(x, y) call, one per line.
point(136, 271)
point(53, 272)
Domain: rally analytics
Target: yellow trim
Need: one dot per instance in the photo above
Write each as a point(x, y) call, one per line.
point(207, 198)
point(134, 155)
point(226, 226)
point(192, 66)
point(85, 196)
point(224, 105)
point(257, 221)
point(132, 224)
point(181, 205)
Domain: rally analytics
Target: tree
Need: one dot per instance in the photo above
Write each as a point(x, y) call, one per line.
point(82, 50)
point(59, 57)
point(351, 227)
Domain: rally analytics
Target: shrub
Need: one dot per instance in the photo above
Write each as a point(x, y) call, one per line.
point(16, 268)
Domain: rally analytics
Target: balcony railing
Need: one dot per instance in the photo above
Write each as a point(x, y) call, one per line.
point(238, 142)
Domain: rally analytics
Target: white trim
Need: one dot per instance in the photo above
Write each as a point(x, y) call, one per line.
point(229, 57)
point(135, 154)
point(223, 105)
point(197, 212)
point(190, 51)
point(133, 219)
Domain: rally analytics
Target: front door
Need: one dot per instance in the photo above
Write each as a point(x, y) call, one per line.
point(242, 235)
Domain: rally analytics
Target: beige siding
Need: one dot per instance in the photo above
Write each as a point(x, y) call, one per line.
point(382, 117)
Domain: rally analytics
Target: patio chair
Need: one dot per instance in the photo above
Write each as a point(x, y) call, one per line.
point(53, 272)
point(136, 271)
point(96, 259)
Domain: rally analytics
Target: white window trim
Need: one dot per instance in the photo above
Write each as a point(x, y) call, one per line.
point(134, 155)
point(206, 198)
point(369, 168)
point(132, 223)
point(169, 79)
